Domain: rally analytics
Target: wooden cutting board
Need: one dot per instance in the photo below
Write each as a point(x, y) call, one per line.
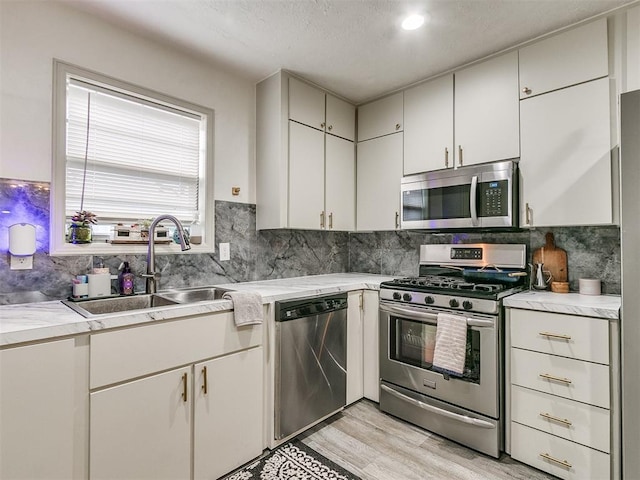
point(553, 258)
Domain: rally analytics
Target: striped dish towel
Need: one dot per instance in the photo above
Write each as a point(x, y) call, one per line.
point(451, 344)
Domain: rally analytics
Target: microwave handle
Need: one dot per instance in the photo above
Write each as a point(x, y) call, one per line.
point(473, 207)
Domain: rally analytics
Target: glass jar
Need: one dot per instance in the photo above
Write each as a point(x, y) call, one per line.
point(79, 233)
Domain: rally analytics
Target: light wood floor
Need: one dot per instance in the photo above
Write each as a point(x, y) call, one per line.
point(377, 446)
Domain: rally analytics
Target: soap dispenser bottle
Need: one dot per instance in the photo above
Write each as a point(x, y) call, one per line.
point(125, 279)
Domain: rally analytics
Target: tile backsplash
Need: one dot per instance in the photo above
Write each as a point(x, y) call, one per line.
point(260, 255)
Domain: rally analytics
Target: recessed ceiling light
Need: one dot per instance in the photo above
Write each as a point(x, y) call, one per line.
point(412, 22)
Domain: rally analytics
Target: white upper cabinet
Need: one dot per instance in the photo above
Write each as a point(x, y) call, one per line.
point(378, 183)
point(306, 104)
point(380, 117)
point(305, 157)
point(317, 109)
point(487, 111)
point(340, 118)
point(428, 126)
point(565, 165)
point(569, 58)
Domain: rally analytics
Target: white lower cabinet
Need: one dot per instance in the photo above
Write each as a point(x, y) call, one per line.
point(39, 411)
point(561, 394)
point(227, 418)
point(142, 429)
point(370, 345)
point(200, 419)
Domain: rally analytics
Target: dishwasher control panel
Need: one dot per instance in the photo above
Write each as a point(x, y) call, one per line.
point(309, 307)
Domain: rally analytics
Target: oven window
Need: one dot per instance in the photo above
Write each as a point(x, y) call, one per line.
point(413, 343)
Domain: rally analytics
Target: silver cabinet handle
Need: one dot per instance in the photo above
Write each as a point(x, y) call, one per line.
point(321, 219)
point(563, 421)
point(397, 220)
point(527, 216)
point(546, 376)
point(555, 335)
point(526, 91)
point(446, 157)
point(564, 463)
point(330, 127)
point(397, 126)
point(322, 125)
point(459, 155)
point(331, 221)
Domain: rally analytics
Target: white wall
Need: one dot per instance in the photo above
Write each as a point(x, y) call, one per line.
point(33, 33)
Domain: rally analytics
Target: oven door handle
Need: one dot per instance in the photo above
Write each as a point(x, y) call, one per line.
point(430, 317)
point(476, 422)
point(410, 314)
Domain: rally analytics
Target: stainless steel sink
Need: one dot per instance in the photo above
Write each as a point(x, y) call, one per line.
point(102, 306)
point(195, 294)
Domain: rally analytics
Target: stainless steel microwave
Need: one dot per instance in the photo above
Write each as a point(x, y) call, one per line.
point(476, 196)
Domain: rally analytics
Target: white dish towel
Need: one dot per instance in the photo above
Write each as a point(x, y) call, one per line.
point(247, 307)
point(451, 344)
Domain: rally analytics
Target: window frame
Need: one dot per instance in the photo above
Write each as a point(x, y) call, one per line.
point(57, 222)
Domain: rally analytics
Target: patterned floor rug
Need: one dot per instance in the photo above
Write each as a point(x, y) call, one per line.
point(293, 461)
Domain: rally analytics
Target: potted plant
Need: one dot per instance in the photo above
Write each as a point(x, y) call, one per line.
point(80, 228)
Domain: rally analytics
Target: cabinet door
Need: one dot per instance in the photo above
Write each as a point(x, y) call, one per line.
point(379, 174)
point(565, 165)
point(569, 58)
point(341, 118)
point(228, 416)
point(142, 429)
point(370, 345)
point(354, 347)
point(340, 184)
point(306, 177)
point(37, 411)
point(381, 117)
point(306, 104)
point(428, 126)
point(487, 111)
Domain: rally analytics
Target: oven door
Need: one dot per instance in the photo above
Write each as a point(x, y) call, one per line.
point(407, 340)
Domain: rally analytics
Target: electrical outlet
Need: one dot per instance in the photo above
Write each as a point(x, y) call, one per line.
point(225, 252)
point(21, 262)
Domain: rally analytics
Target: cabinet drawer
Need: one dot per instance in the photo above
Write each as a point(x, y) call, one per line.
point(575, 421)
point(529, 445)
point(124, 354)
point(574, 379)
point(570, 336)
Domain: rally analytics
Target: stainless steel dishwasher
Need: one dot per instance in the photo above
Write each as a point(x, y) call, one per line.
point(310, 361)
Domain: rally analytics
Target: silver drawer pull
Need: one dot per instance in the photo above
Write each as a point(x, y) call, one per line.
point(564, 421)
point(555, 335)
point(564, 463)
point(555, 379)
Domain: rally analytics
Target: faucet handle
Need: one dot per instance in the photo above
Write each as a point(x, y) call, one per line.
point(151, 275)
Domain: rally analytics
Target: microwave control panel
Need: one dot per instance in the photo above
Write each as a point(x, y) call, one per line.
point(494, 198)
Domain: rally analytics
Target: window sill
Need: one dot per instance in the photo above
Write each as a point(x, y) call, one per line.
point(105, 248)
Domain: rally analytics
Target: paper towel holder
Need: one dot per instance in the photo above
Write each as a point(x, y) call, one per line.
point(22, 245)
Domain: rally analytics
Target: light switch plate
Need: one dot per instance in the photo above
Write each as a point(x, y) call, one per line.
point(225, 252)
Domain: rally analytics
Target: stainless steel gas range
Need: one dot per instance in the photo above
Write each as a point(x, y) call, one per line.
point(469, 282)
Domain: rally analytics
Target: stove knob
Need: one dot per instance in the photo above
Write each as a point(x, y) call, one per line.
point(428, 300)
point(397, 296)
point(467, 305)
point(454, 303)
point(406, 297)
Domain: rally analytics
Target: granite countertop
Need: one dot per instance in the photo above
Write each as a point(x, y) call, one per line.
point(599, 306)
point(39, 321)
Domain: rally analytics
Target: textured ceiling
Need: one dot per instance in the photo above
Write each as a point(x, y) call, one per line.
point(354, 48)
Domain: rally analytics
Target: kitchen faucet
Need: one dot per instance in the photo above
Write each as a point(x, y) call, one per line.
point(151, 274)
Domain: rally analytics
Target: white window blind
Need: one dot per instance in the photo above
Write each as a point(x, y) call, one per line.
point(143, 159)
